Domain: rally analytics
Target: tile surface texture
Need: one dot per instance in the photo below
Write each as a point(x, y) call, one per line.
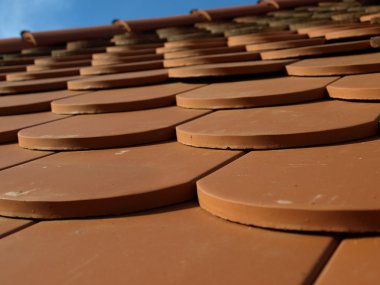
point(119, 100)
point(63, 185)
point(267, 114)
point(316, 123)
point(107, 130)
point(330, 188)
point(181, 245)
point(255, 93)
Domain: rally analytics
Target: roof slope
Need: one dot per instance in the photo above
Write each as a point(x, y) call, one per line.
point(232, 145)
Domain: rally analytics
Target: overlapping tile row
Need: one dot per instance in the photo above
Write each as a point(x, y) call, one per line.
point(269, 117)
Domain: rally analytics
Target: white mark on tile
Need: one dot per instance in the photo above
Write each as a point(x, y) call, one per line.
point(284, 202)
point(20, 193)
point(121, 152)
point(316, 198)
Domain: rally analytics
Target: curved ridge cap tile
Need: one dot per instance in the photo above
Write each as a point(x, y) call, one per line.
point(39, 85)
point(330, 189)
point(316, 123)
point(230, 68)
point(255, 93)
point(352, 33)
point(120, 68)
point(354, 262)
point(231, 12)
point(157, 23)
point(285, 44)
point(12, 154)
point(119, 80)
point(43, 74)
point(62, 36)
point(10, 125)
point(317, 50)
point(107, 130)
point(210, 59)
point(64, 184)
point(337, 65)
point(286, 4)
point(13, 45)
point(356, 87)
point(185, 232)
point(120, 100)
point(31, 102)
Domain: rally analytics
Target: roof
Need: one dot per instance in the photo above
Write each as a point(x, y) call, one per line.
point(233, 145)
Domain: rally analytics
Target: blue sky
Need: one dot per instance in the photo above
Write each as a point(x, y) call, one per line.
point(37, 15)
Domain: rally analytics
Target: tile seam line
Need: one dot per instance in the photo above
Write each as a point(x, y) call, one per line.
point(50, 121)
point(323, 261)
point(48, 153)
point(17, 229)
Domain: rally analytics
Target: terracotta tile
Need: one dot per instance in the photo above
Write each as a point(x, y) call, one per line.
point(81, 195)
point(14, 68)
point(257, 39)
point(49, 60)
point(127, 59)
point(331, 188)
point(133, 47)
point(354, 33)
point(17, 61)
point(324, 30)
point(208, 59)
point(107, 130)
point(73, 52)
point(256, 93)
point(368, 18)
point(356, 87)
point(337, 65)
point(12, 154)
point(56, 65)
point(31, 102)
point(38, 85)
point(196, 248)
point(317, 50)
point(123, 53)
point(10, 125)
point(324, 122)
point(119, 100)
point(21, 76)
point(354, 262)
point(204, 51)
point(228, 69)
point(284, 44)
point(119, 68)
point(321, 29)
point(9, 226)
point(87, 44)
point(119, 80)
point(196, 43)
point(195, 46)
